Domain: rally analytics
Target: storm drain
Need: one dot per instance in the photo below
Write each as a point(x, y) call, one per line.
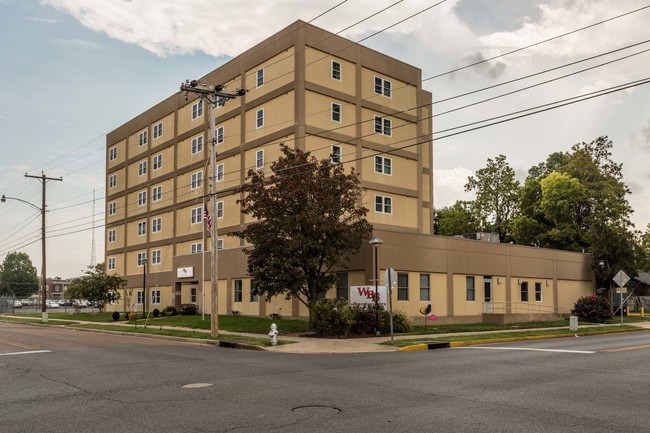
point(197, 385)
point(315, 410)
point(438, 345)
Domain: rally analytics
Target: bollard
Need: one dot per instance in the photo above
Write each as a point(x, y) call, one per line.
point(573, 323)
point(274, 334)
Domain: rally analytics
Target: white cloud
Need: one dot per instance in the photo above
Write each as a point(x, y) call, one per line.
point(449, 186)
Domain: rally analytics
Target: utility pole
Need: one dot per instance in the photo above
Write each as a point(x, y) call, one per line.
point(214, 95)
point(43, 180)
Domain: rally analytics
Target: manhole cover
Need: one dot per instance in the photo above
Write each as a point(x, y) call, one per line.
point(316, 410)
point(197, 385)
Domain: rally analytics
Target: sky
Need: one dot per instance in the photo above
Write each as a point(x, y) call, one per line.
point(74, 70)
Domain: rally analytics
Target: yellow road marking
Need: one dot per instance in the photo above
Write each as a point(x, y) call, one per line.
point(623, 349)
point(22, 346)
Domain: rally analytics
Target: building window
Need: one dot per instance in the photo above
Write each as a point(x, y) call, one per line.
point(196, 248)
point(220, 134)
point(470, 289)
point(197, 145)
point(193, 295)
point(259, 116)
point(111, 236)
point(142, 198)
point(156, 225)
point(140, 297)
point(337, 154)
point(197, 179)
point(342, 285)
point(538, 292)
point(142, 168)
point(383, 125)
point(383, 165)
point(238, 290)
point(197, 110)
point(383, 204)
point(425, 287)
point(524, 291)
point(220, 244)
point(219, 172)
point(112, 154)
point(142, 258)
point(112, 181)
point(254, 296)
point(112, 208)
point(157, 161)
point(157, 130)
point(402, 287)
point(156, 257)
point(259, 159)
point(336, 112)
point(219, 209)
point(382, 87)
point(336, 70)
point(156, 193)
point(144, 136)
point(197, 215)
point(142, 228)
point(260, 77)
point(155, 296)
point(111, 263)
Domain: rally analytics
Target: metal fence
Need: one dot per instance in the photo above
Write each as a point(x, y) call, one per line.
point(7, 304)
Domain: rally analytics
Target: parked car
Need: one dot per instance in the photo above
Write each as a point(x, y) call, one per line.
point(52, 304)
point(18, 303)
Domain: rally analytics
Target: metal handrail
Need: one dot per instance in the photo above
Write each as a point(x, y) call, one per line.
point(521, 308)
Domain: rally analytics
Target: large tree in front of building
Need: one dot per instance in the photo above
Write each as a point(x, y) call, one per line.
point(309, 220)
point(18, 275)
point(96, 287)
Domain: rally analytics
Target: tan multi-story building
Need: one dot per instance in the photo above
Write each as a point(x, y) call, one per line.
point(319, 92)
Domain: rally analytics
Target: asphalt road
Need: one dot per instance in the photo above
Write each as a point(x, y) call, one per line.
point(59, 380)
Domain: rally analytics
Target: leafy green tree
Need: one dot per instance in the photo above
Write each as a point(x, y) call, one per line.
point(497, 194)
point(308, 222)
point(18, 275)
point(97, 287)
point(456, 219)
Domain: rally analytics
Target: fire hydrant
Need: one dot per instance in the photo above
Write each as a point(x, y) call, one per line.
point(273, 334)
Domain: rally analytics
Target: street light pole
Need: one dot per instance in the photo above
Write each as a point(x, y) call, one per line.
point(376, 243)
point(215, 95)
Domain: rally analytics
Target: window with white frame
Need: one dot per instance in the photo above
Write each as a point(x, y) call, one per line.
point(157, 130)
point(111, 264)
point(112, 154)
point(155, 296)
point(259, 118)
point(196, 248)
point(142, 168)
point(336, 112)
point(197, 110)
point(538, 292)
point(220, 244)
point(157, 161)
point(220, 136)
point(197, 145)
point(197, 179)
point(524, 291)
point(259, 159)
point(197, 215)
point(383, 125)
point(193, 295)
point(382, 87)
point(156, 193)
point(259, 78)
point(140, 297)
point(156, 225)
point(470, 289)
point(425, 287)
point(144, 137)
point(112, 181)
point(336, 70)
point(112, 208)
point(383, 165)
point(142, 198)
point(254, 297)
point(219, 209)
point(402, 286)
point(383, 204)
point(111, 235)
point(337, 154)
point(220, 172)
point(156, 257)
point(142, 228)
point(142, 258)
point(237, 290)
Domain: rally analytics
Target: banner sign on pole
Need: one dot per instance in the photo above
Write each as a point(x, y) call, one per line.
point(365, 296)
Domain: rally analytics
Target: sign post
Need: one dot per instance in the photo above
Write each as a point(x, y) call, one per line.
point(390, 276)
point(621, 280)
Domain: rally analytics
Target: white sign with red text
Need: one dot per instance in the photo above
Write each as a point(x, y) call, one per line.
point(365, 296)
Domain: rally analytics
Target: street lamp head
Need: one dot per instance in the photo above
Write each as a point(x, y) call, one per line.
point(3, 199)
point(375, 242)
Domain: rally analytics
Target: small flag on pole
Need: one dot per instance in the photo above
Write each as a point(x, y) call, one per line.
point(206, 217)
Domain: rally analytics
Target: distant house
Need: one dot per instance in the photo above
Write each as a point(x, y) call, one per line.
point(56, 287)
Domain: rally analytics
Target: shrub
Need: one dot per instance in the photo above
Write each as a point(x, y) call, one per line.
point(593, 308)
point(189, 309)
point(400, 323)
point(169, 311)
point(156, 312)
point(331, 317)
point(132, 316)
point(116, 315)
point(365, 319)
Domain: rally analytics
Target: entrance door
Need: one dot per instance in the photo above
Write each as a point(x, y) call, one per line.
point(487, 294)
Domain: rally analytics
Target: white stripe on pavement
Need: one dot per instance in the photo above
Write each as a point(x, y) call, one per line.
point(25, 353)
point(530, 349)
